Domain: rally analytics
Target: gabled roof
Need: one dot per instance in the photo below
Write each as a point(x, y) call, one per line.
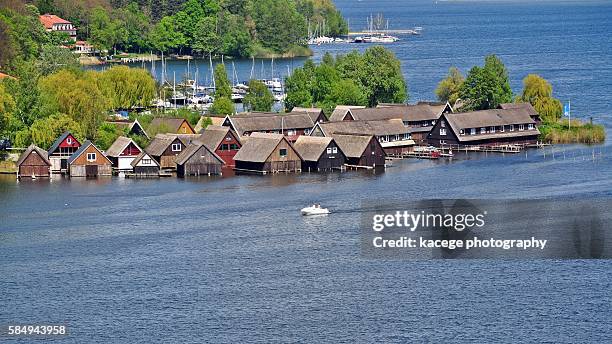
point(254, 122)
point(314, 113)
point(129, 124)
point(33, 148)
point(376, 128)
point(527, 107)
point(311, 147)
point(48, 20)
point(141, 156)
point(188, 152)
point(119, 146)
point(352, 146)
point(409, 113)
point(490, 118)
point(341, 110)
point(82, 149)
point(173, 124)
point(258, 147)
point(58, 141)
point(213, 136)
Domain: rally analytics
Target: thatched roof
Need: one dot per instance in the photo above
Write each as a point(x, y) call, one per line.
point(173, 124)
point(311, 147)
point(352, 146)
point(376, 128)
point(258, 147)
point(314, 113)
point(253, 122)
point(408, 113)
point(193, 148)
point(213, 136)
point(119, 146)
point(526, 107)
point(491, 118)
point(33, 148)
point(341, 110)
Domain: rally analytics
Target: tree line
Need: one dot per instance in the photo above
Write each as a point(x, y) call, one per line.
point(239, 28)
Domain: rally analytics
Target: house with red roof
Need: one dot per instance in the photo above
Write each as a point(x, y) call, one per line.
point(52, 22)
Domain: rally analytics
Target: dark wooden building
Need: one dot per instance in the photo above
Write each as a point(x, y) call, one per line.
point(198, 160)
point(361, 150)
point(493, 127)
point(223, 141)
point(291, 124)
point(130, 127)
point(171, 125)
point(33, 163)
point(393, 136)
point(145, 166)
point(88, 161)
point(165, 148)
point(267, 153)
point(319, 153)
point(61, 150)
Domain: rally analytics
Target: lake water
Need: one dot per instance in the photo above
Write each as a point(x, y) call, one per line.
point(231, 260)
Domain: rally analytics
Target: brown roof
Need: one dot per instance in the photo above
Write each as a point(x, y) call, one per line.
point(161, 142)
point(32, 148)
point(128, 124)
point(190, 150)
point(490, 118)
point(172, 123)
point(376, 128)
point(341, 110)
point(213, 135)
point(48, 20)
point(253, 122)
point(527, 107)
point(82, 149)
point(352, 146)
point(312, 112)
point(119, 146)
point(311, 147)
point(258, 147)
point(409, 113)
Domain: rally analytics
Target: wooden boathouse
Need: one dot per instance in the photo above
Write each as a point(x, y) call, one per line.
point(267, 153)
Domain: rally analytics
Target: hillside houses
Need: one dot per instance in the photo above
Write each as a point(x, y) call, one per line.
point(52, 22)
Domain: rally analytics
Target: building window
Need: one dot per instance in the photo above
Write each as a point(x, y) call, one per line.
point(461, 132)
point(406, 136)
point(146, 161)
point(234, 146)
point(406, 123)
point(176, 147)
point(511, 127)
point(229, 138)
point(306, 131)
point(521, 127)
point(492, 130)
point(530, 126)
point(502, 128)
point(443, 124)
point(335, 150)
point(69, 140)
point(443, 132)
point(473, 131)
point(283, 152)
point(483, 130)
point(91, 156)
point(442, 142)
point(225, 147)
point(329, 150)
point(291, 132)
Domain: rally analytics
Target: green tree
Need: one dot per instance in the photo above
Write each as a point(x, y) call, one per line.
point(278, 24)
point(259, 97)
point(187, 20)
point(7, 108)
point(45, 130)
point(449, 88)
point(347, 92)
point(106, 33)
point(223, 87)
point(126, 87)
point(106, 135)
point(222, 106)
point(535, 87)
point(53, 58)
point(206, 39)
point(486, 87)
point(164, 36)
point(382, 77)
point(299, 86)
point(137, 26)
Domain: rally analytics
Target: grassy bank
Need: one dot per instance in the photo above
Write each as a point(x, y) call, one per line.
point(295, 51)
point(7, 166)
point(577, 132)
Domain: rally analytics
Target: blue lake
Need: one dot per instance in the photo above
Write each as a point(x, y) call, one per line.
point(230, 259)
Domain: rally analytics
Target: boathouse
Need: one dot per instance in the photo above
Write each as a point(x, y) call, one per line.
point(290, 125)
point(89, 161)
point(493, 127)
point(165, 148)
point(342, 113)
point(319, 153)
point(198, 160)
point(267, 153)
point(130, 127)
point(395, 138)
point(33, 163)
point(63, 147)
point(122, 152)
point(145, 166)
point(171, 125)
point(361, 150)
point(223, 141)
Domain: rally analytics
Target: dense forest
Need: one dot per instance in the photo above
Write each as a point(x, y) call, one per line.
point(229, 27)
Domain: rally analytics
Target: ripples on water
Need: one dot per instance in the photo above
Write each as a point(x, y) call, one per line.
point(231, 260)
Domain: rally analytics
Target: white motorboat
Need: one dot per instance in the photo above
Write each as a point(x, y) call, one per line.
point(315, 209)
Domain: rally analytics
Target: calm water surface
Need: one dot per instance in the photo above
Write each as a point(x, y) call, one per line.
point(230, 259)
